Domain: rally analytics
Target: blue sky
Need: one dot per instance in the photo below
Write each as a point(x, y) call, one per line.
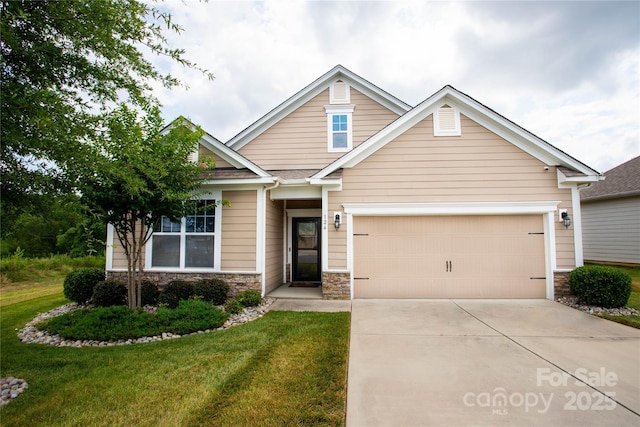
point(567, 71)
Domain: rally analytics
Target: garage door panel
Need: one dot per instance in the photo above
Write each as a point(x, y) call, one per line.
point(449, 257)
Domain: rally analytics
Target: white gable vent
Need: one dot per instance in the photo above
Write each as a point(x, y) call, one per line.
point(446, 122)
point(193, 156)
point(339, 93)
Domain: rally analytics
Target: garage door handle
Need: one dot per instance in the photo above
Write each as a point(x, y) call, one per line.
point(360, 278)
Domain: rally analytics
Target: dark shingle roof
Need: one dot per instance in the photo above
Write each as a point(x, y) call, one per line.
point(621, 181)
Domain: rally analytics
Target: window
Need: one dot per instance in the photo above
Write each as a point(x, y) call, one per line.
point(339, 128)
point(189, 243)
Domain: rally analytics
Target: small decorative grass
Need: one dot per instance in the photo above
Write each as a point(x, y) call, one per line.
point(120, 323)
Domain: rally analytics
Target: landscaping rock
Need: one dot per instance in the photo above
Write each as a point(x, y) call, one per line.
point(11, 388)
point(572, 301)
point(30, 335)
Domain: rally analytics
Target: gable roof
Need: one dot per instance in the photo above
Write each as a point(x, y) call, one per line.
point(622, 181)
point(313, 89)
point(481, 114)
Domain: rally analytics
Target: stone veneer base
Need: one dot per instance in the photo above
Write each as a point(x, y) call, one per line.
point(336, 285)
point(238, 282)
point(561, 284)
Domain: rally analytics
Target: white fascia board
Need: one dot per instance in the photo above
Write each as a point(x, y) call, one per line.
point(250, 181)
point(456, 208)
point(569, 181)
point(335, 184)
point(296, 192)
point(231, 156)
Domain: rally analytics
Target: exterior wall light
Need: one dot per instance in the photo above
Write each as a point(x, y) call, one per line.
point(566, 219)
point(336, 220)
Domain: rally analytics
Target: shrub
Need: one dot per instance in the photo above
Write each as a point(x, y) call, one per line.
point(109, 293)
point(601, 286)
point(78, 285)
point(170, 300)
point(212, 290)
point(191, 316)
point(149, 293)
point(233, 306)
point(249, 298)
point(183, 290)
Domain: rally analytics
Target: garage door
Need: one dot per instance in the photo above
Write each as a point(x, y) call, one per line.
point(449, 257)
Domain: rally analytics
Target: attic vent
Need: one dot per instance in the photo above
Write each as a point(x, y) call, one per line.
point(339, 93)
point(446, 121)
point(193, 156)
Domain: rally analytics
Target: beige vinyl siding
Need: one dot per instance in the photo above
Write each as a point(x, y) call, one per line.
point(204, 152)
point(238, 251)
point(299, 141)
point(119, 260)
point(611, 230)
point(477, 166)
point(274, 244)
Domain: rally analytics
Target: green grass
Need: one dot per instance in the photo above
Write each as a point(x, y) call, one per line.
point(283, 369)
point(18, 269)
point(633, 321)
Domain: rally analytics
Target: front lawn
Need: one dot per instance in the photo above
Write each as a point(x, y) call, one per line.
point(283, 369)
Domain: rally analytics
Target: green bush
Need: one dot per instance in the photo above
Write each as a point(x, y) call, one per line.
point(149, 293)
point(180, 288)
point(233, 306)
point(191, 316)
point(212, 290)
point(108, 293)
point(78, 285)
point(170, 300)
point(249, 298)
point(601, 286)
point(120, 323)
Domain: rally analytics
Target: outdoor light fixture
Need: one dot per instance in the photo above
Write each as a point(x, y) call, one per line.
point(566, 219)
point(336, 221)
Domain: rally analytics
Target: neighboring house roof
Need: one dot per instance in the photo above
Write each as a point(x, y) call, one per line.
point(477, 112)
point(622, 181)
point(310, 91)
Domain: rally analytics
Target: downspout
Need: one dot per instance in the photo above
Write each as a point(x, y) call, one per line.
point(263, 237)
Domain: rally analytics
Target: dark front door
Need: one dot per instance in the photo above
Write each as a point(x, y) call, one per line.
point(306, 250)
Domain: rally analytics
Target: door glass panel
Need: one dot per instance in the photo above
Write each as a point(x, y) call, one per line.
point(307, 250)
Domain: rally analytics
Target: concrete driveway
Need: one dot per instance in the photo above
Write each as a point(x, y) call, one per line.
point(489, 362)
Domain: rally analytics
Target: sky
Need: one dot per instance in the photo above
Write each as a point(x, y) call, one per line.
point(569, 72)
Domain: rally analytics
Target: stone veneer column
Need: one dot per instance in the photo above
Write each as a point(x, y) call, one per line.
point(561, 284)
point(336, 285)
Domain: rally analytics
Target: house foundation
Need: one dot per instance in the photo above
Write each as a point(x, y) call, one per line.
point(336, 285)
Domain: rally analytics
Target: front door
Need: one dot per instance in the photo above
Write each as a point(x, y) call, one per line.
point(306, 250)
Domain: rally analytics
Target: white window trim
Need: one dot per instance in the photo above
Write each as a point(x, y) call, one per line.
point(344, 110)
point(436, 123)
point(217, 243)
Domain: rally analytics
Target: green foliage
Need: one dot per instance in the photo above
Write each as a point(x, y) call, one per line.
point(168, 300)
point(249, 298)
point(180, 288)
point(78, 285)
point(64, 63)
point(16, 268)
point(191, 316)
point(233, 306)
point(150, 293)
point(212, 290)
point(108, 293)
point(118, 322)
point(601, 286)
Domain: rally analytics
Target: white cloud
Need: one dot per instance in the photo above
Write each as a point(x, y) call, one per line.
point(567, 72)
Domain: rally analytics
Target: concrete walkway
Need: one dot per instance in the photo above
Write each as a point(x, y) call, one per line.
point(489, 362)
point(327, 306)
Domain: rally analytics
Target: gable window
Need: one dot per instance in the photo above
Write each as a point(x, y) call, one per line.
point(339, 128)
point(188, 243)
point(446, 121)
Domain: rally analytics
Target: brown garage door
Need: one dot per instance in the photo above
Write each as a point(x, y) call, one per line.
point(449, 257)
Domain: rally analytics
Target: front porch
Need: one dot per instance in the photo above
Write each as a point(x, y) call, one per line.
point(287, 291)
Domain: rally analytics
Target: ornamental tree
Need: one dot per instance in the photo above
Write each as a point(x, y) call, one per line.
point(142, 174)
